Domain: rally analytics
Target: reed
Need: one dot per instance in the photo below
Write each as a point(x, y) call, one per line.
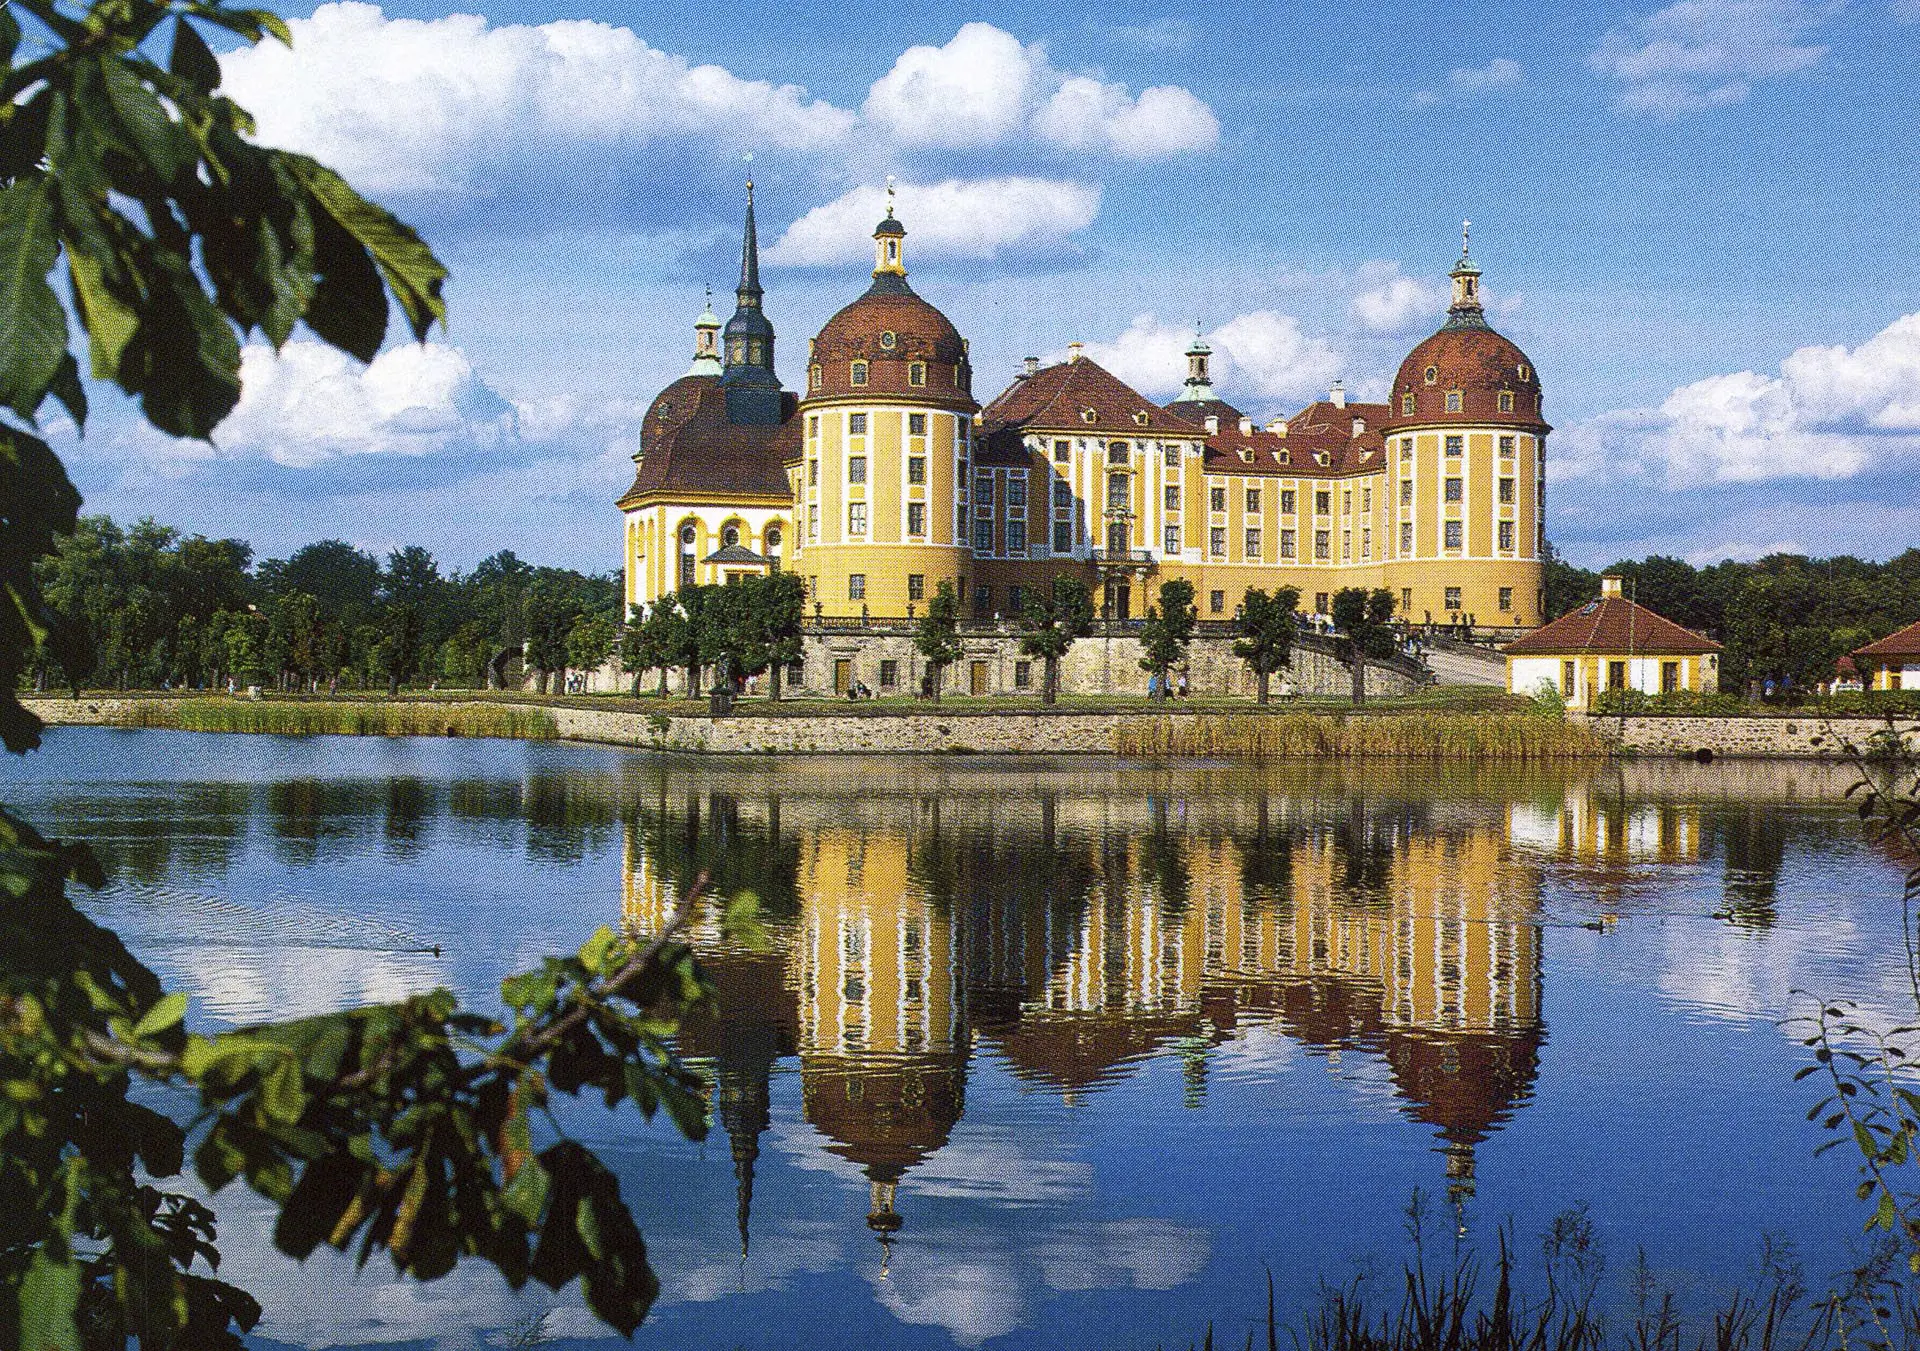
point(1458, 737)
point(355, 717)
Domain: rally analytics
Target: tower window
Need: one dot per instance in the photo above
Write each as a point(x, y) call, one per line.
point(1506, 490)
point(1406, 402)
point(856, 586)
point(1450, 598)
point(1524, 372)
point(1506, 447)
point(858, 374)
point(1453, 401)
point(1172, 542)
point(916, 424)
point(815, 377)
point(856, 424)
point(857, 469)
point(1431, 375)
point(916, 586)
point(1506, 598)
point(1216, 602)
point(1406, 492)
point(1506, 401)
point(1506, 534)
point(916, 518)
point(1454, 445)
point(1453, 490)
point(856, 518)
point(916, 469)
point(1453, 534)
point(917, 373)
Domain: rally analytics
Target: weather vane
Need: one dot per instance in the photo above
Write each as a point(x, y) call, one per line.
point(1465, 227)
point(889, 196)
point(748, 159)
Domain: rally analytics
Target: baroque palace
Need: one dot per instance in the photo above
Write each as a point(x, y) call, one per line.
point(886, 478)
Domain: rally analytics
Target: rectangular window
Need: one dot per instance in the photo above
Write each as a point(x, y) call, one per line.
point(1217, 541)
point(1323, 503)
point(1016, 537)
point(889, 674)
point(916, 372)
point(983, 537)
point(1322, 545)
point(1453, 534)
point(1118, 490)
point(1288, 547)
point(916, 518)
point(1406, 537)
point(1062, 493)
point(916, 586)
point(856, 518)
point(1346, 502)
point(916, 469)
point(1669, 676)
point(856, 424)
point(1016, 491)
point(983, 489)
point(1286, 501)
point(982, 601)
point(1506, 490)
point(1253, 544)
point(1016, 600)
point(916, 424)
point(1406, 450)
point(1506, 447)
point(813, 426)
point(813, 473)
point(1406, 492)
point(813, 522)
point(1616, 675)
point(857, 469)
point(1506, 600)
point(1023, 675)
point(1172, 540)
point(1506, 401)
point(1216, 602)
point(1216, 499)
point(1063, 537)
point(1455, 445)
point(1506, 534)
point(1453, 490)
point(1253, 501)
point(1320, 605)
point(1453, 401)
point(1566, 679)
point(856, 586)
point(1406, 404)
point(1173, 457)
point(1346, 545)
point(1406, 600)
point(1366, 499)
point(1118, 453)
point(1173, 497)
point(1366, 543)
point(1451, 597)
point(1062, 451)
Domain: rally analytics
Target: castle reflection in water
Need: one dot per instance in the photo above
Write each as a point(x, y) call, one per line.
point(1077, 936)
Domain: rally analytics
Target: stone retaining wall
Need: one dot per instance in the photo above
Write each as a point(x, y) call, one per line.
point(1766, 738)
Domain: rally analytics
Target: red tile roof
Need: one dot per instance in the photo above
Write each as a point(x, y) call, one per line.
point(1609, 626)
point(1900, 643)
point(1056, 398)
point(688, 447)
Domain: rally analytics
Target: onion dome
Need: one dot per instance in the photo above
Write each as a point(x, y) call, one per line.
point(891, 344)
point(1466, 373)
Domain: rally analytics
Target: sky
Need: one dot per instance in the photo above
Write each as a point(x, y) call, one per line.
point(1697, 221)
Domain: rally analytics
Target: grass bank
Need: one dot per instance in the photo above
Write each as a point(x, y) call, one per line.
point(330, 717)
point(1511, 737)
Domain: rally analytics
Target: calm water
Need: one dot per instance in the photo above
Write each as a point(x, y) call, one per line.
point(1057, 1054)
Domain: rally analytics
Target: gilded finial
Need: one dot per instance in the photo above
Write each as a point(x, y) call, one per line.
point(747, 159)
point(1465, 227)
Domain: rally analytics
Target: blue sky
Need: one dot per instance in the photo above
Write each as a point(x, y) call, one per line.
point(1696, 219)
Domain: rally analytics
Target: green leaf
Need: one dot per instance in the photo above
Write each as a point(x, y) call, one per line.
point(192, 60)
point(1884, 1214)
point(526, 1195)
point(410, 269)
point(283, 1095)
point(110, 325)
point(67, 388)
point(48, 1298)
point(161, 1016)
point(33, 325)
point(157, 138)
point(9, 35)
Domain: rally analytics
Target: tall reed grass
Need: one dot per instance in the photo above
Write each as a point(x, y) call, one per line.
point(346, 717)
point(1514, 737)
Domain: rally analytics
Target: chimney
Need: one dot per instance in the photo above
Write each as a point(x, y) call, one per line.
point(1609, 588)
point(1075, 350)
point(1278, 427)
point(1213, 425)
point(1246, 426)
point(1338, 398)
point(1359, 428)
point(1032, 368)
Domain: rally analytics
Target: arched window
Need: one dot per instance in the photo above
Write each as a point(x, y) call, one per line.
point(689, 536)
point(773, 547)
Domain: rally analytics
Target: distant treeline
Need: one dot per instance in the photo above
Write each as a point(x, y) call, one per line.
point(1781, 616)
point(162, 609)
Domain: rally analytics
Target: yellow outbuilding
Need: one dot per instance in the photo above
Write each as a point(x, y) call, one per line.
point(1612, 643)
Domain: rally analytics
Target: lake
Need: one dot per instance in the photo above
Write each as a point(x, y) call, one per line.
point(1046, 1052)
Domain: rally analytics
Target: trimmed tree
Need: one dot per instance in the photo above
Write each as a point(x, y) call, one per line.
point(779, 609)
point(1054, 618)
point(1364, 621)
point(1167, 631)
point(589, 643)
point(1266, 626)
point(937, 637)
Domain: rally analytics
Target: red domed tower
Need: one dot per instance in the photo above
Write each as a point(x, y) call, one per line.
point(1466, 473)
point(880, 488)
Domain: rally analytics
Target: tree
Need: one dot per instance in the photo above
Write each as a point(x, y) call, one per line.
point(589, 643)
point(1567, 586)
point(1266, 626)
point(1167, 631)
point(937, 636)
point(343, 580)
point(1054, 618)
point(1364, 622)
point(550, 616)
point(405, 1127)
point(689, 653)
point(659, 641)
point(780, 608)
point(400, 644)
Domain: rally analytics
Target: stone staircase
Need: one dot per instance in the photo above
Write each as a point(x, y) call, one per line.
point(1457, 663)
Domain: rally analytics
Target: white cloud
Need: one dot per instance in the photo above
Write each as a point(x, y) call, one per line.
point(1263, 353)
point(445, 105)
point(1831, 413)
point(1500, 73)
point(981, 219)
point(1707, 53)
point(985, 88)
point(1393, 303)
point(1164, 35)
point(310, 404)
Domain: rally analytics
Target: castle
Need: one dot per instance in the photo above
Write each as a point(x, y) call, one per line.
point(886, 478)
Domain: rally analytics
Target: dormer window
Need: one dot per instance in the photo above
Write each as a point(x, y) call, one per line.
point(1506, 401)
point(857, 374)
point(917, 373)
point(1322, 459)
point(814, 377)
point(1406, 405)
point(1453, 401)
point(1088, 415)
point(1432, 375)
point(1246, 455)
point(1141, 418)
